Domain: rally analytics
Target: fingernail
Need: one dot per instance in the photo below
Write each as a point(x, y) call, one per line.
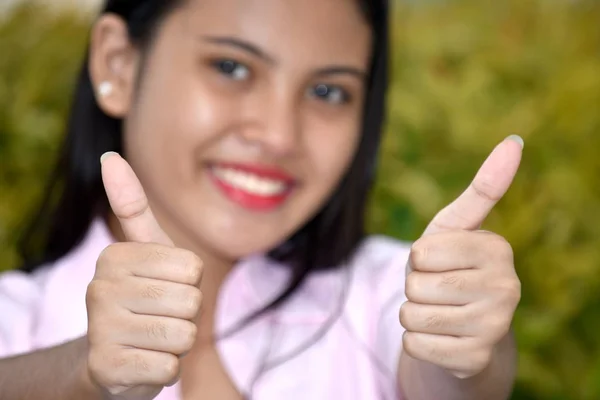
point(106, 155)
point(518, 139)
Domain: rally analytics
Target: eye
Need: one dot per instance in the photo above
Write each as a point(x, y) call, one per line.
point(232, 69)
point(330, 93)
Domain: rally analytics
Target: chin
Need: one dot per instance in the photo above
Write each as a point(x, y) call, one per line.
point(236, 250)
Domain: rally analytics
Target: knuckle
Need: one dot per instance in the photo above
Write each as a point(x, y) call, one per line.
point(158, 253)
point(106, 258)
point(140, 364)
point(117, 361)
point(105, 368)
point(494, 323)
point(454, 280)
point(106, 255)
point(498, 325)
point(112, 255)
point(404, 315)
point(153, 292)
point(193, 266)
point(418, 253)
point(502, 247)
point(440, 354)
point(98, 291)
point(189, 330)
point(514, 290)
point(125, 370)
point(113, 261)
point(412, 285)
point(510, 290)
point(192, 302)
point(156, 330)
point(436, 321)
point(170, 367)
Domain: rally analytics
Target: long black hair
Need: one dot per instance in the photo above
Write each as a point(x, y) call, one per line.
point(75, 194)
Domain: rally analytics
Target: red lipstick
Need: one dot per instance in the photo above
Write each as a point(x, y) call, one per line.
point(254, 187)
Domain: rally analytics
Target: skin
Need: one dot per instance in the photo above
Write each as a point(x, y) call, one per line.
point(179, 236)
point(462, 291)
point(185, 113)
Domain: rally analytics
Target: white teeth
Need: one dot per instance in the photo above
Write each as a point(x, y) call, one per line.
point(249, 182)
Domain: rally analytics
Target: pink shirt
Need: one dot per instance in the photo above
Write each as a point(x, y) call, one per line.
point(355, 359)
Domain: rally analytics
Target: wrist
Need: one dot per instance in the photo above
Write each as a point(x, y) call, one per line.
point(421, 380)
point(83, 381)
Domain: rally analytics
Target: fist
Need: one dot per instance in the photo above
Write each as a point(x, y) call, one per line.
point(462, 294)
point(461, 284)
point(143, 299)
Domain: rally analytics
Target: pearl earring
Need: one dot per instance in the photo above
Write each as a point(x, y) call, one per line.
point(105, 89)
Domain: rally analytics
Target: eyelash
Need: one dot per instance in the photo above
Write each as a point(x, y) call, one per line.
point(324, 92)
point(331, 94)
point(229, 68)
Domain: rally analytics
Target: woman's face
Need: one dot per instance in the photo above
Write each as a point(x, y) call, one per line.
point(244, 116)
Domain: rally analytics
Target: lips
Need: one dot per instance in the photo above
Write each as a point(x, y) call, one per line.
point(252, 187)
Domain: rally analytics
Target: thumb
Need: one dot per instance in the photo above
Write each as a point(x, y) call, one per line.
point(129, 202)
point(491, 182)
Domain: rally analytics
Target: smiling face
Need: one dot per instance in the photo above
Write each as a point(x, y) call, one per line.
point(244, 116)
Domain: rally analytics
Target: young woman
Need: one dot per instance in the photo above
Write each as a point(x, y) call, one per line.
point(250, 130)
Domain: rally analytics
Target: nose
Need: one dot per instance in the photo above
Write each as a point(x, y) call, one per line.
point(276, 126)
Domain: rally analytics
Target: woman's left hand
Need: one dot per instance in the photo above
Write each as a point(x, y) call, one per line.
point(461, 283)
point(462, 293)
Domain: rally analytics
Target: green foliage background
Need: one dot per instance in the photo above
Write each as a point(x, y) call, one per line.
point(467, 73)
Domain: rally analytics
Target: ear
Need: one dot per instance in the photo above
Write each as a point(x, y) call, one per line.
point(113, 65)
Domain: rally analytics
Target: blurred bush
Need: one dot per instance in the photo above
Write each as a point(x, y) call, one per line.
point(467, 73)
point(40, 52)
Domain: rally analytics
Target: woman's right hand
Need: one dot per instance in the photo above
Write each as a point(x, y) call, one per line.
point(143, 299)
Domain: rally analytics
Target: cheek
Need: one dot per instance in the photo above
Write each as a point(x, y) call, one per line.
point(332, 148)
point(175, 118)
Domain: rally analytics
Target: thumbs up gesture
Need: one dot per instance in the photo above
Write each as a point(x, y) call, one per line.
point(461, 284)
point(142, 300)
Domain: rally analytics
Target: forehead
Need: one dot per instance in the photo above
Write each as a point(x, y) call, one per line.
point(331, 29)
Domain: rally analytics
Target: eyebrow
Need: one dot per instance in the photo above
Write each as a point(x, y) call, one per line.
point(241, 45)
point(258, 52)
point(342, 70)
